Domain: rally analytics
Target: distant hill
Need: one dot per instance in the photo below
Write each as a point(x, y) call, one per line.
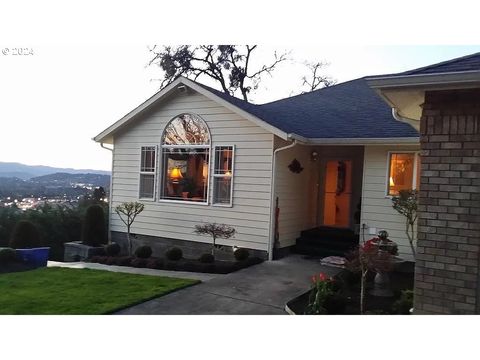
point(66, 179)
point(25, 172)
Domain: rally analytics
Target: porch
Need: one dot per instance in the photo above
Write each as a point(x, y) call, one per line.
point(318, 208)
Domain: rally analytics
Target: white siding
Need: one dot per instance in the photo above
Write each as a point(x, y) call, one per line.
point(377, 210)
point(250, 213)
point(294, 192)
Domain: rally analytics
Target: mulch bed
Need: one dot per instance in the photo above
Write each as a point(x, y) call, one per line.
point(192, 265)
point(351, 292)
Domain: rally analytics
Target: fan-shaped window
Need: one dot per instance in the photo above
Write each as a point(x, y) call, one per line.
point(185, 159)
point(186, 129)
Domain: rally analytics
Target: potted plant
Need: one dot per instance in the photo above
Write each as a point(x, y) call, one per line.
point(188, 187)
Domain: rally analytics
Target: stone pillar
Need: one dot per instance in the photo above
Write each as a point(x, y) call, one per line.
point(447, 266)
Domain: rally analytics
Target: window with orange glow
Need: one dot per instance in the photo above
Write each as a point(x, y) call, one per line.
point(404, 172)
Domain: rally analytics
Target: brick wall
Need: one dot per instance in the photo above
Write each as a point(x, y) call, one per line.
point(447, 267)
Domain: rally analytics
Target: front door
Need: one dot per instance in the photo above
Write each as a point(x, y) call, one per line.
point(337, 193)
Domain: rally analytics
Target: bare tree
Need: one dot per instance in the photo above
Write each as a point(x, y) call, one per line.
point(315, 80)
point(127, 212)
point(215, 231)
point(229, 65)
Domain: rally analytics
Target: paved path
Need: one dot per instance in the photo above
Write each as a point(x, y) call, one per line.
point(262, 290)
point(132, 270)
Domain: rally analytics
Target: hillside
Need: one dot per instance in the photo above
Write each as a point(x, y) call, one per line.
point(25, 172)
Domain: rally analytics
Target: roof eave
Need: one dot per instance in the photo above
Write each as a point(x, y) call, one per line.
point(429, 81)
point(414, 140)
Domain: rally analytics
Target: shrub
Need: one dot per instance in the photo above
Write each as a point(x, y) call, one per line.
point(123, 260)
point(143, 252)
point(112, 249)
point(139, 263)
point(241, 254)
point(25, 235)
point(111, 260)
point(7, 255)
point(321, 291)
point(404, 304)
point(155, 264)
point(94, 231)
point(207, 259)
point(174, 254)
point(101, 259)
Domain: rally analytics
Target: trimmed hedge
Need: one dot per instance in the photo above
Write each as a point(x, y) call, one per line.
point(174, 254)
point(143, 252)
point(94, 230)
point(25, 235)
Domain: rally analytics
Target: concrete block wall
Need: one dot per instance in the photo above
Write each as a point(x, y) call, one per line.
point(447, 266)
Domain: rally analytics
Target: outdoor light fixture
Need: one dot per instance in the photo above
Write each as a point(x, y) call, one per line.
point(314, 155)
point(176, 174)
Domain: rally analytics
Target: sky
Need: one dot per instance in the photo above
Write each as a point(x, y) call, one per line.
point(57, 99)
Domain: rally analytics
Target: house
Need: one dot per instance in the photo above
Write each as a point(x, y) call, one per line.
point(328, 160)
point(443, 101)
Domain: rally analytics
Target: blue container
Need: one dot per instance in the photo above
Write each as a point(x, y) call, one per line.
point(36, 257)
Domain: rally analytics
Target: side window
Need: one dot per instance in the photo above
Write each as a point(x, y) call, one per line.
point(148, 161)
point(403, 172)
point(223, 175)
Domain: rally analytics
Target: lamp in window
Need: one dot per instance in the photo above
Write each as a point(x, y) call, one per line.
point(176, 175)
point(228, 173)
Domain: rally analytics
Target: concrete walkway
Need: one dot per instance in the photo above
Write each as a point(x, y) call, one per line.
point(258, 290)
point(131, 270)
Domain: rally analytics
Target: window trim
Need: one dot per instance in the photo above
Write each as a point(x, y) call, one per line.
point(154, 173)
point(230, 204)
point(161, 177)
point(415, 165)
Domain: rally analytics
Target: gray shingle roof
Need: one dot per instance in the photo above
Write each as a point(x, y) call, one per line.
point(347, 110)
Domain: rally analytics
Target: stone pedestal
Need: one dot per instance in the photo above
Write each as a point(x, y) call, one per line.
point(76, 251)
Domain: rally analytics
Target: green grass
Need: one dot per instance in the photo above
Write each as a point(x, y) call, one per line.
point(55, 291)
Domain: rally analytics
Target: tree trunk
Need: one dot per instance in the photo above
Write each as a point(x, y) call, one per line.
point(213, 247)
point(410, 239)
point(129, 241)
point(362, 292)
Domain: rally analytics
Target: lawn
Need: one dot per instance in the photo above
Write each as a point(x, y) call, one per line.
point(79, 291)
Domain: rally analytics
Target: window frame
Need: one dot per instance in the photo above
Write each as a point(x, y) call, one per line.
point(414, 175)
point(230, 204)
point(154, 173)
point(161, 177)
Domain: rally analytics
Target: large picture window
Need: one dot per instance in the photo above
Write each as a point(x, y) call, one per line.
point(223, 175)
point(185, 160)
point(148, 161)
point(403, 172)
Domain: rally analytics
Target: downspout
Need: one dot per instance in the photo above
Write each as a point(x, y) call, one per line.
point(109, 196)
point(271, 235)
point(398, 117)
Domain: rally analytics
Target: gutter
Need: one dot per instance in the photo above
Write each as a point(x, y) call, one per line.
point(271, 235)
point(109, 196)
point(398, 117)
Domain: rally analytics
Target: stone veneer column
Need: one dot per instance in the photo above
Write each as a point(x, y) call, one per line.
point(447, 266)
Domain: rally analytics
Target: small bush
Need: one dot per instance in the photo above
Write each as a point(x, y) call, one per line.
point(139, 262)
point(123, 260)
point(102, 259)
point(404, 304)
point(155, 264)
point(94, 231)
point(112, 249)
point(25, 236)
point(7, 255)
point(174, 254)
point(241, 254)
point(143, 252)
point(111, 260)
point(207, 259)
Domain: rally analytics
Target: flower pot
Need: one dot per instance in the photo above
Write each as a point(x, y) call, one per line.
point(36, 257)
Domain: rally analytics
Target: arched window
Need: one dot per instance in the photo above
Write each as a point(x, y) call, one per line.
point(185, 158)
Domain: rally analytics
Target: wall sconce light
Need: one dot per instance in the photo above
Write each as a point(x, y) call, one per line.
point(314, 155)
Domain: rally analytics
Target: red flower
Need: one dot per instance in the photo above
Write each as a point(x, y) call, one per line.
point(322, 277)
point(314, 279)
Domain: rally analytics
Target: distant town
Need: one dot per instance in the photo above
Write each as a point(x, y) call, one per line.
point(57, 189)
